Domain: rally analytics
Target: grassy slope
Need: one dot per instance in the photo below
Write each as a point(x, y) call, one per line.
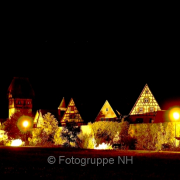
point(32, 162)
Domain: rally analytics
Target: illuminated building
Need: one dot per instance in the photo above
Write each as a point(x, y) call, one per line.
point(145, 108)
point(106, 113)
point(20, 95)
point(71, 114)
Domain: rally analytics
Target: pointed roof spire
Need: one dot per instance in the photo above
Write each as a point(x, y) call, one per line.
point(62, 105)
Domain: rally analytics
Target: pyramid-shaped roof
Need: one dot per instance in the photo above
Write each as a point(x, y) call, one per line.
point(71, 113)
point(62, 104)
point(145, 103)
point(20, 87)
point(106, 112)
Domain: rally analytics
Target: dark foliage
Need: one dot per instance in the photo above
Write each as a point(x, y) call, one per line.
point(13, 131)
point(70, 132)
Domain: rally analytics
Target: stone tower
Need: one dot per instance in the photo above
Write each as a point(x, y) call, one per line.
point(20, 95)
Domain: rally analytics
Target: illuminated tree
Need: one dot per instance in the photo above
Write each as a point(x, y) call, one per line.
point(86, 141)
point(153, 136)
point(169, 135)
point(160, 137)
point(116, 139)
point(14, 128)
point(105, 131)
point(57, 137)
point(3, 138)
point(50, 124)
point(36, 139)
point(44, 136)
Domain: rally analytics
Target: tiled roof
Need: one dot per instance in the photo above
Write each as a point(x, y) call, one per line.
point(20, 87)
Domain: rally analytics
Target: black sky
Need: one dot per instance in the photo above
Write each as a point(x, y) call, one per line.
point(91, 60)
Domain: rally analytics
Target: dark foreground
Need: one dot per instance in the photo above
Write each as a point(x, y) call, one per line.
point(28, 162)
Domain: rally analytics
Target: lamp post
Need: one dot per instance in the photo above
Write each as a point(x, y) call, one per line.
point(25, 124)
point(176, 117)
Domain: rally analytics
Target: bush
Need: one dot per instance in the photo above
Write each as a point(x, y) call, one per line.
point(86, 141)
point(151, 136)
point(3, 137)
point(69, 134)
point(57, 137)
point(105, 131)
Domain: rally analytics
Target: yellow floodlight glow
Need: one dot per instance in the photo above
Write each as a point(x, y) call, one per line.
point(16, 142)
point(25, 124)
point(176, 115)
point(104, 146)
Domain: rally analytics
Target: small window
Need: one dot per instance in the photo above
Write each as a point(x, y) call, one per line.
point(72, 116)
point(19, 102)
point(106, 109)
point(147, 91)
point(146, 100)
point(140, 109)
point(151, 109)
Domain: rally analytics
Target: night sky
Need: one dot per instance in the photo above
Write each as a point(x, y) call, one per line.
point(91, 60)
